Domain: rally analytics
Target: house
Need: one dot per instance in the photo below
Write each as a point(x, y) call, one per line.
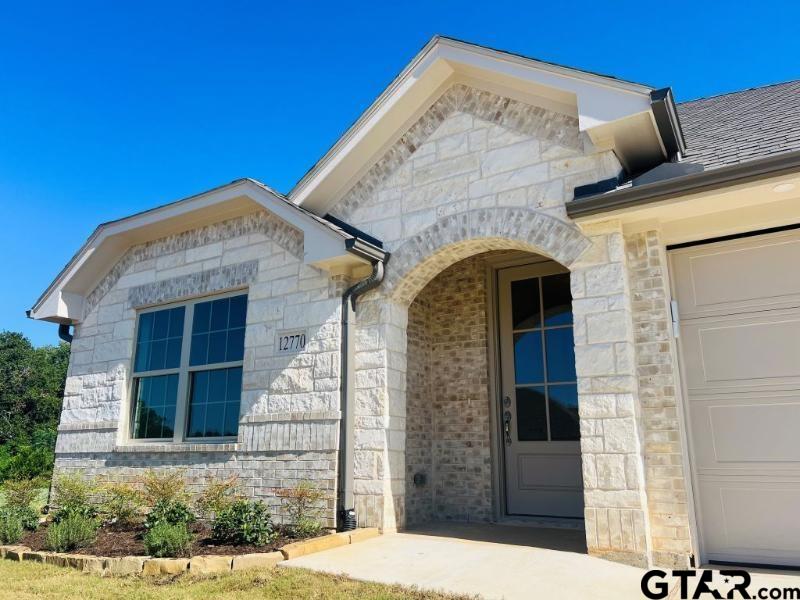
point(512, 291)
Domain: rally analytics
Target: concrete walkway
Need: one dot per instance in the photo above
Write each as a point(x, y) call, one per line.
point(492, 561)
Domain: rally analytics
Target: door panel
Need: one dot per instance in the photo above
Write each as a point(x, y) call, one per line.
point(740, 350)
point(539, 393)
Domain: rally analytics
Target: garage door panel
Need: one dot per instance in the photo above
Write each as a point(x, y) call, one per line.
point(747, 431)
point(739, 307)
point(746, 275)
point(742, 352)
point(744, 519)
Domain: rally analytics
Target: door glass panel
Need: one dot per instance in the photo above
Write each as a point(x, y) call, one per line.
point(528, 363)
point(525, 307)
point(557, 300)
point(560, 349)
point(531, 414)
point(564, 424)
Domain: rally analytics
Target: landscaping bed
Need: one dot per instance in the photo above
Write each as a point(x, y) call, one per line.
point(121, 541)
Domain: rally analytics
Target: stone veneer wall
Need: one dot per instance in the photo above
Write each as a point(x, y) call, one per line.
point(288, 427)
point(656, 361)
point(448, 398)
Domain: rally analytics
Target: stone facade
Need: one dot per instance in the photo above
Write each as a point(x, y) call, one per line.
point(448, 400)
point(289, 417)
point(477, 173)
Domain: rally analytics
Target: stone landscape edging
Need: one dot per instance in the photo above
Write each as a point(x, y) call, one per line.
point(203, 564)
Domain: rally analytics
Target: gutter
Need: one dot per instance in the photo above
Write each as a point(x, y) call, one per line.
point(346, 513)
point(722, 177)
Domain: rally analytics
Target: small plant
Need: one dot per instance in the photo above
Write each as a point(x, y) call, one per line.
point(122, 503)
point(11, 526)
point(165, 540)
point(164, 486)
point(302, 506)
point(167, 512)
point(243, 522)
point(21, 493)
point(70, 533)
point(217, 495)
point(74, 496)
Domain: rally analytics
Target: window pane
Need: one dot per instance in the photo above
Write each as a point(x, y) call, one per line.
point(528, 363)
point(214, 403)
point(238, 311)
point(159, 339)
point(531, 414)
point(564, 424)
point(154, 408)
point(525, 307)
point(557, 300)
point(560, 348)
point(224, 320)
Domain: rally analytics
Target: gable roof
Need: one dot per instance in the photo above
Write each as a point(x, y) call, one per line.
point(742, 126)
point(325, 243)
point(616, 114)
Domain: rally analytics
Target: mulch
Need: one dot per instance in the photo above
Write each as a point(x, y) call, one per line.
point(114, 541)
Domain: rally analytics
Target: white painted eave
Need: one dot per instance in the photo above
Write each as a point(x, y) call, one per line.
point(324, 245)
point(612, 107)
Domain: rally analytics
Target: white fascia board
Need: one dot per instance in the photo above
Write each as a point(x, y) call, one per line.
point(600, 100)
point(63, 299)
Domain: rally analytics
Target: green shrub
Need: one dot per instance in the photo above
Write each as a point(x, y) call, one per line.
point(165, 540)
point(243, 522)
point(302, 504)
point(167, 512)
point(74, 496)
point(122, 503)
point(28, 518)
point(72, 532)
point(23, 461)
point(217, 495)
point(21, 493)
point(11, 526)
point(164, 487)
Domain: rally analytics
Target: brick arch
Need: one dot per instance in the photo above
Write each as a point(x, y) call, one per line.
point(453, 238)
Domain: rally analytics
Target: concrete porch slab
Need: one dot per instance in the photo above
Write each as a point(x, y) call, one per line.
point(493, 561)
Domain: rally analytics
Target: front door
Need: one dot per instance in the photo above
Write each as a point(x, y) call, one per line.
point(539, 395)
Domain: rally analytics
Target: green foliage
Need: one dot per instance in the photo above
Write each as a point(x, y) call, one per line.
point(166, 486)
point(74, 496)
point(21, 493)
point(217, 495)
point(166, 540)
point(122, 503)
point(12, 526)
point(243, 522)
point(70, 533)
point(27, 517)
point(31, 389)
point(302, 504)
point(166, 512)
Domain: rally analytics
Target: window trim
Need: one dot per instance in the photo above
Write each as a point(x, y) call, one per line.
point(183, 371)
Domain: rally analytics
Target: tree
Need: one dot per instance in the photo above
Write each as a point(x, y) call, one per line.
point(31, 389)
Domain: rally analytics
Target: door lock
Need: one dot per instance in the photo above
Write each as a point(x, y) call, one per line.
point(507, 426)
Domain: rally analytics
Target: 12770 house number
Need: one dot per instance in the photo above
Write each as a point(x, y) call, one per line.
point(291, 341)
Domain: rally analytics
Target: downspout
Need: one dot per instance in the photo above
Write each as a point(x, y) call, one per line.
point(346, 511)
point(63, 332)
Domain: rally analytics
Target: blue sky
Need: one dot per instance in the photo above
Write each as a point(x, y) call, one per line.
point(108, 108)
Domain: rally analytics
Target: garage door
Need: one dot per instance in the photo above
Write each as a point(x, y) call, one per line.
point(739, 307)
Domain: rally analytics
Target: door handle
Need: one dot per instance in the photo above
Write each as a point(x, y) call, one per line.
point(507, 425)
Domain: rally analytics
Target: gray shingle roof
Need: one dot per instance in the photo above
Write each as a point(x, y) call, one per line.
point(742, 126)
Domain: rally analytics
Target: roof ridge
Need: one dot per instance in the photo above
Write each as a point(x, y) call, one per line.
point(742, 91)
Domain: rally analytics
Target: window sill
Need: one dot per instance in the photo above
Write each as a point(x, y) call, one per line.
point(175, 448)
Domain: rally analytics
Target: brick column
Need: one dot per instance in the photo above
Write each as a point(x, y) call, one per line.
point(610, 415)
point(656, 362)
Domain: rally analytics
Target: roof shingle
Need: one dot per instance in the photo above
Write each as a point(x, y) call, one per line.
point(742, 126)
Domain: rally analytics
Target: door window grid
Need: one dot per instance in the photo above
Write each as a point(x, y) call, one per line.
point(185, 371)
point(545, 384)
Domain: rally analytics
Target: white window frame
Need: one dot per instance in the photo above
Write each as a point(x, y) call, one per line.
point(184, 371)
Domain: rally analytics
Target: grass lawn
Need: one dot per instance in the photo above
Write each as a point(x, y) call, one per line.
point(24, 580)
